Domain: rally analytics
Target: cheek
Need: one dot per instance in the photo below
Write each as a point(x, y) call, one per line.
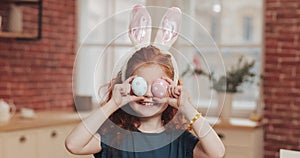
point(131, 104)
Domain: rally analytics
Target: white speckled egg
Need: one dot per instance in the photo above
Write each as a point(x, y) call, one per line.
point(139, 86)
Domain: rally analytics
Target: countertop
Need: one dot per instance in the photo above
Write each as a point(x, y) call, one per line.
point(235, 123)
point(54, 118)
point(42, 119)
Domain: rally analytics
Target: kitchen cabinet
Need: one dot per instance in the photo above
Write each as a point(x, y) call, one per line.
point(38, 138)
point(242, 138)
point(19, 144)
point(47, 142)
point(1, 147)
point(239, 142)
point(51, 141)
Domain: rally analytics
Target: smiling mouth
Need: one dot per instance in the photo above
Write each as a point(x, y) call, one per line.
point(145, 103)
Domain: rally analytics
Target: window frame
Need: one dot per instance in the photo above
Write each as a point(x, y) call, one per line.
point(235, 112)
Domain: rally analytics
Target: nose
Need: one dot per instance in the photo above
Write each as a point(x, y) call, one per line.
point(148, 93)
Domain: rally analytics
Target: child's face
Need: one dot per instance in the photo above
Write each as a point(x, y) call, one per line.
point(147, 107)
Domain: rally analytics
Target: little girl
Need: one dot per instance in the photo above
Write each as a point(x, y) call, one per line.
point(132, 125)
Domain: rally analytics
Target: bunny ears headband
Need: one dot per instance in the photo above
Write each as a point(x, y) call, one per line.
point(140, 32)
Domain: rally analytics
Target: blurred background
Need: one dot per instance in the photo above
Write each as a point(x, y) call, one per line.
point(40, 40)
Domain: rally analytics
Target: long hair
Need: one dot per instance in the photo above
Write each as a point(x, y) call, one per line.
point(146, 55)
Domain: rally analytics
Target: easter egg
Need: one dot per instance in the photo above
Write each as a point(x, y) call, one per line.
point(139, 86)
point(159, 88)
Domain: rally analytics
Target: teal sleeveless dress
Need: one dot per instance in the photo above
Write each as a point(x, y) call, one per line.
point(167, 144)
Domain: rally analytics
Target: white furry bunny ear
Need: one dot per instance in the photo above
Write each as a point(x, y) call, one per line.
point(140, 27)
point(169, 27)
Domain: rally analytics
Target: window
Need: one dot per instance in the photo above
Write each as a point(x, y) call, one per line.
point(215, 28)
point(95, 32)
point(247, 28)
point(234, 25)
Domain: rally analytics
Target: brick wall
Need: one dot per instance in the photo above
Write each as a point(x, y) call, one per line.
point(282, 76)
point(38, 74)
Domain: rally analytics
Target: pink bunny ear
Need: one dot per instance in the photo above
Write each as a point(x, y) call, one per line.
point(169, 27)
point(140, 26)
point(167, 34)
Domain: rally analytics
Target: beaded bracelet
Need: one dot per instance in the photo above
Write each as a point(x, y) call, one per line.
point(197, 116)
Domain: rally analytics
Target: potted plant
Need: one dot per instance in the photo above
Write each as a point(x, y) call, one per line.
point(229, 84)
point(234, 77)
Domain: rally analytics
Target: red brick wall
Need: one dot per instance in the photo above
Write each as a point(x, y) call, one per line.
point(38, 74)
point(282, 76)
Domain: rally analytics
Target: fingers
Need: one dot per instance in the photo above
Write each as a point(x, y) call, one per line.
point(174, 91)
point(130, 79)
point(170, 91)
point(127, 85)
point(124, 89)
point(170, 81)
point(135, 98)
point(177, 90)
point(121, 95)
point(127, 88)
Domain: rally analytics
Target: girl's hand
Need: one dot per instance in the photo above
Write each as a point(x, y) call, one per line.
point(177, 96)
point(121, 93)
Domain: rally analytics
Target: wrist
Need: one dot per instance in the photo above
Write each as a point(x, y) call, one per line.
point(109, 108)
point(188, 110)
point(193, 120)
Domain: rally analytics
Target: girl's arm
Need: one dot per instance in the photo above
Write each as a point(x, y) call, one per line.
point(84, 138)
point(209, 144)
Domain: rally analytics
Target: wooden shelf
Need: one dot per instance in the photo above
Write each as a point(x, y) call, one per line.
point(25, 36)
point(25, 0)
point(21, 1)
point(17, 35)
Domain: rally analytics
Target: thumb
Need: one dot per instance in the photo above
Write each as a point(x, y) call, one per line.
point(173, 102)
point(135, 98)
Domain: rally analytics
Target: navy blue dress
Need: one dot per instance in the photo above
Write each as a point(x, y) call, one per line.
point(167, 144)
